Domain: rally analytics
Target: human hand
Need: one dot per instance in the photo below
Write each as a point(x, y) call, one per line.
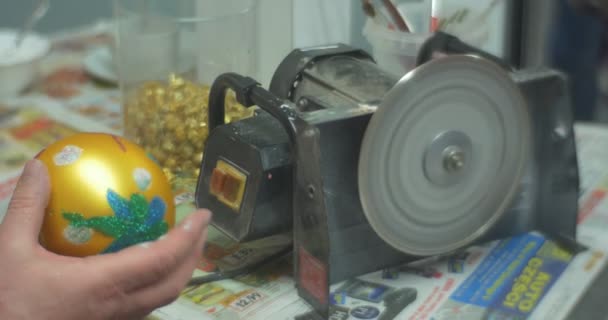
point(38, 284)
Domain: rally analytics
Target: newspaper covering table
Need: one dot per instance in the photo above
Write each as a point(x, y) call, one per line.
point(524, 277)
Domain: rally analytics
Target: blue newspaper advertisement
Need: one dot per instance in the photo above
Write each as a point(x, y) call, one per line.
point(511, 281)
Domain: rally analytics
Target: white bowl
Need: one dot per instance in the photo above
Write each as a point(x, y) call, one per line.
point(19, 67)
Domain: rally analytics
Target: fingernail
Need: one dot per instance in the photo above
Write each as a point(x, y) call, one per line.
point(187, 225)
point(162, 237)
point(145, 245)
point(208, 216)
point(195, 222)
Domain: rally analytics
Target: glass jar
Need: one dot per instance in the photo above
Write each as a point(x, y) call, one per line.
point(168, 54)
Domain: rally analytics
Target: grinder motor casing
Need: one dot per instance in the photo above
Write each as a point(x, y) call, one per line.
point(335, 91)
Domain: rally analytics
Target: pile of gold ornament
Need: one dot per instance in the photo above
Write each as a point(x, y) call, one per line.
point(169, 120)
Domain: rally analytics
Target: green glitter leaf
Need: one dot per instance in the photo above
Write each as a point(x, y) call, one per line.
point(150, 236)
point(120, 244)
point(137, 234)
point(134, 221)
point(76, 219)
point(110, 226)
point(138, 206)
point(158, 229)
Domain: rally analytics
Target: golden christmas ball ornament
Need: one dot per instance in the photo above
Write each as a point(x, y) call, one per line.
point(107, 194)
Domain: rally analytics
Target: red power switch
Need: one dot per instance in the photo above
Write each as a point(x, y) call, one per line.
point(228, 184)
point(218, 178)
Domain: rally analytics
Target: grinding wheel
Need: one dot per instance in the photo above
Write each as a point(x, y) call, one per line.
point(443, 155)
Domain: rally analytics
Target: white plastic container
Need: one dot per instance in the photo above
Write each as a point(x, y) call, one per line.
point(480, 23)
point(19, 67)
point(394, 51)
point(168, 54)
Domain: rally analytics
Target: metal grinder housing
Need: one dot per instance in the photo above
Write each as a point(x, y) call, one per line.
point(370, 171)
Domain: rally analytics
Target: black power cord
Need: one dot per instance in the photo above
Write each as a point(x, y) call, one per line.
point(231, 274)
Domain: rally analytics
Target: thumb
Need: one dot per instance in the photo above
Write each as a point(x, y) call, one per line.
point(26, 209)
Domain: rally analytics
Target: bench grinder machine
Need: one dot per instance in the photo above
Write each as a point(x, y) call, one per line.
point(370, 171)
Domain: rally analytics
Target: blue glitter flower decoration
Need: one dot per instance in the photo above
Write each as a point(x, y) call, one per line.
point(134, 220)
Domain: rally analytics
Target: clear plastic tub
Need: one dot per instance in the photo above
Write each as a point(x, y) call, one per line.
point(169, 53)
point(394, 51)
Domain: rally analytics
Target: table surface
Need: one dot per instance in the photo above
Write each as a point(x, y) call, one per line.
point(66, 84)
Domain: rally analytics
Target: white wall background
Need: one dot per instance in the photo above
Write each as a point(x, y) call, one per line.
point(282, 24)
point(288, 24)
point(61, 15)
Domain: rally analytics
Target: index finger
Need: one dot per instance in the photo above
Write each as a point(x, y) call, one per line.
point(28, 203)
point(140, 266)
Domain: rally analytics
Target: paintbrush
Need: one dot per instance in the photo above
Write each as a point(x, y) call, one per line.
point(376, 16)
point(396, 16)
